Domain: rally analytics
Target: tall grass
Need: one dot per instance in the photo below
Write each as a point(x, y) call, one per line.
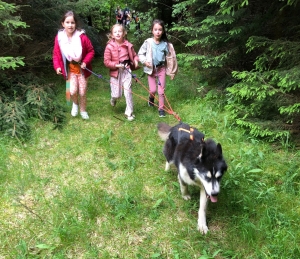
point(98, 189)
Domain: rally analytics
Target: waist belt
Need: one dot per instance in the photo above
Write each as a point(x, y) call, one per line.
point(74, 62)
point(160, 64)
point(125, 62)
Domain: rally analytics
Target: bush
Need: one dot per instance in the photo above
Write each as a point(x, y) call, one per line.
point(26, 97)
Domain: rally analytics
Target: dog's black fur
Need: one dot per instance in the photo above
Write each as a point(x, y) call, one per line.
point(199, 162)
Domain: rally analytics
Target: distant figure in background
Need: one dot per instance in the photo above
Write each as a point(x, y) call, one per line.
point(124, 19)
point(119, 17)
point(133, 14)
point(126, 9)
point(137, 21)
point(117, 11)
point(128, 20)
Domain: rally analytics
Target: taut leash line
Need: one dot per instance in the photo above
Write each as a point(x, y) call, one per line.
point(168, 110)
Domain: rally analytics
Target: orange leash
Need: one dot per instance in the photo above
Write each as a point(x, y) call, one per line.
point(168, 109)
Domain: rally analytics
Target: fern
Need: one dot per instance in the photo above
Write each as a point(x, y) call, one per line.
point(31, 99)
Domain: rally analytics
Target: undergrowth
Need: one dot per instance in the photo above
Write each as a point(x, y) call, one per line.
point(26, 97)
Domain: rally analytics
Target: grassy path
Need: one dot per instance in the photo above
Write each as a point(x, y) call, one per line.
point(97, 188)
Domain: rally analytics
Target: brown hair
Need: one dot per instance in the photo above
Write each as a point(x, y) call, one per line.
point(70, 13)
point(162, 24)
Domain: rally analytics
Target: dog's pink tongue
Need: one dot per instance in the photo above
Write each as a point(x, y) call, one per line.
point(213, 198)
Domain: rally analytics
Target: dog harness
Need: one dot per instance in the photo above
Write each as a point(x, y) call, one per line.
point(188, 131)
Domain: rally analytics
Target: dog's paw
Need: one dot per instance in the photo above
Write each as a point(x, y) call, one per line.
point(186, 197)
point(203, 229)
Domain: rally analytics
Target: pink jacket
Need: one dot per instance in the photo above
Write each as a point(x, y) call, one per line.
point(87, 56)
point(113, 52)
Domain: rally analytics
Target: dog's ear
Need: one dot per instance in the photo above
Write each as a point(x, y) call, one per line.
point(219, 149)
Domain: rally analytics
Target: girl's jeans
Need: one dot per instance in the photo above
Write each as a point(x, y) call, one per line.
point(158, 77)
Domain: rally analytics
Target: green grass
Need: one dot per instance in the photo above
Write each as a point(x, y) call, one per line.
point(97, 188)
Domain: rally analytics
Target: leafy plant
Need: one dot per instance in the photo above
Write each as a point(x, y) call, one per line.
point(205, 255)
point(30, 99)
point(9, 25)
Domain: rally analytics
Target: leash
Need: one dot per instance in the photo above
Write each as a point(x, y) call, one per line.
point(168, 109)
point(97, 75)
point(102, 77)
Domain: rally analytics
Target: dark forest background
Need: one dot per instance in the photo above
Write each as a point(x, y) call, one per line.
point(246, 50)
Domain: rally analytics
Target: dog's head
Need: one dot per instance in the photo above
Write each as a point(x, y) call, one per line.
point(210, 166)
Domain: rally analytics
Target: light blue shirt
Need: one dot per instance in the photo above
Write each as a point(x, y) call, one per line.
point(159, 52)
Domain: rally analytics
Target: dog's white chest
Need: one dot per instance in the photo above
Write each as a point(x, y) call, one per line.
point(184, 175)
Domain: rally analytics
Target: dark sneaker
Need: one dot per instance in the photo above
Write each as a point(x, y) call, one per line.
point(161, 113)
point(151, 101)
point(113, 102)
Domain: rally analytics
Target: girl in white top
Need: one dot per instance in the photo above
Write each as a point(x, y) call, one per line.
point(152, 55)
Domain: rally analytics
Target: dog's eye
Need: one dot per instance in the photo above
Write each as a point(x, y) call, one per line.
point(218, 175)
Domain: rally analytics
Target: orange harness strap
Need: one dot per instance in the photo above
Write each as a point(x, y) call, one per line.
point(188, 131)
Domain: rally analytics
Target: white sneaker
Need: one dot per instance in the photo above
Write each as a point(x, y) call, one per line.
point(84, 115)
point(130, 117)
point(74, 111)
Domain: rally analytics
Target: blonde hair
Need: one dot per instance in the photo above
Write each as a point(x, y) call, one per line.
point(110, 35)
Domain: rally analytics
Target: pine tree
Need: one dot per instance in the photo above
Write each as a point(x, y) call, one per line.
point(250, 48)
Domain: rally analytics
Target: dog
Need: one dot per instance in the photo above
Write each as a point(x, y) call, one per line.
point(199, 162)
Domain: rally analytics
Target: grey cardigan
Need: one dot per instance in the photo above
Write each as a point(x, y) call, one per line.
point(145, 55)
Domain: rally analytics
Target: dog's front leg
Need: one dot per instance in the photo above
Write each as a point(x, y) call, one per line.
point(202, 227)
point(184, 189)
point(167, 168)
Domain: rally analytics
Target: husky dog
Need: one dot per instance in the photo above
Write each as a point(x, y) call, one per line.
point(198, 162)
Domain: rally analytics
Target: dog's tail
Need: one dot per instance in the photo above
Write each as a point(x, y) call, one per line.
point(163, 130)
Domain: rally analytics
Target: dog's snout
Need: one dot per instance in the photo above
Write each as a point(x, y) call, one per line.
point(214, 193)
